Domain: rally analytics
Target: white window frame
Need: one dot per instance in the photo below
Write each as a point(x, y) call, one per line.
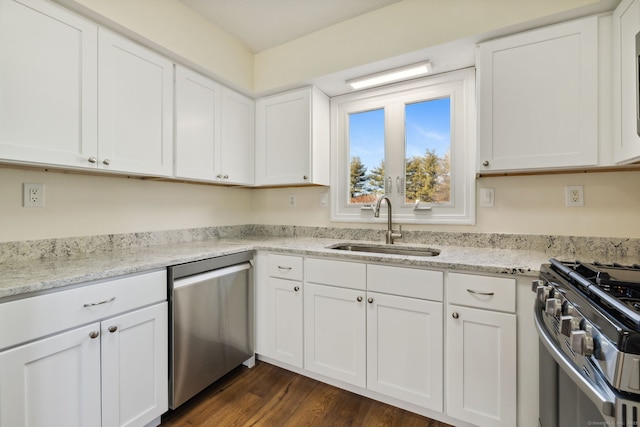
point(460, 87)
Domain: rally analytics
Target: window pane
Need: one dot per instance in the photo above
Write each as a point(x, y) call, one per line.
point(427, 151)
point(366, 156)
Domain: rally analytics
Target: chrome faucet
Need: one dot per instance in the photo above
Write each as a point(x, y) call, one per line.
point(390, 235)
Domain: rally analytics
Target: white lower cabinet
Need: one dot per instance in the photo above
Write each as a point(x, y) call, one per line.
point(390, 344)
point(481, 350)
point(134, 367)
point(404, 349)
point(335, 333)
point(386, 330)
point(54, 381)
point(285, 321)
point(112, 371)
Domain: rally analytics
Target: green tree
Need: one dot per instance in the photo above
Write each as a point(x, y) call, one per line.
point(422, 175)
point(358, 172)
point(375, 183)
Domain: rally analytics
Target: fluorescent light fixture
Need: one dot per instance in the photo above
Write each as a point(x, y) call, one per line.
point(396, 75)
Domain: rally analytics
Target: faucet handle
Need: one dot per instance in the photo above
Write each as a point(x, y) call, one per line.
point(398, 234)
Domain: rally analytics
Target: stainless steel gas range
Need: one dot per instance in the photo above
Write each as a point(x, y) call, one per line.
point(588, 320)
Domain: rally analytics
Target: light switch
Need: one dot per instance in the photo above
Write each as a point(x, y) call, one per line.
point(486, 197)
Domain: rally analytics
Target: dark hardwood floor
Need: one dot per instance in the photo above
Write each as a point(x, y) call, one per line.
point(270, 396)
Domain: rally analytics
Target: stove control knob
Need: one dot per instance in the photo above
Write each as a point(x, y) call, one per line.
point(569, 310)
point(543, 293)
point(569, 324)
point(536, 284)
point(553, 306)
point(582, 343)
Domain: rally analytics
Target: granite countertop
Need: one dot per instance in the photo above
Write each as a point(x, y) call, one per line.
point(20, 277)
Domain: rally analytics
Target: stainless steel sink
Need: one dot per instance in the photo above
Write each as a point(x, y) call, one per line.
point(387, 249)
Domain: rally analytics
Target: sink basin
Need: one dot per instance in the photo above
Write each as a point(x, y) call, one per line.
point(387, 249)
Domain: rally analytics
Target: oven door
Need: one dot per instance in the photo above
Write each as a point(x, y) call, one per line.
point(567, 397)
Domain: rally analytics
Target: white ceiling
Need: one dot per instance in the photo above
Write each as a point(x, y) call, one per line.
point(263, 24)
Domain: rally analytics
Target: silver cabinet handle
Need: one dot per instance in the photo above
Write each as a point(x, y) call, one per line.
point(112, 329)
point(106, 162)
point(219, 176)
point(471, 291)
point(91, 304)
point(94, 334)
point(359, 299)
point(305, 177)
point(92, 160)
point(455, 315)
point(226, 177)
point(485, 163)
point(296, 289)
point(280, 267)
point(370, 300)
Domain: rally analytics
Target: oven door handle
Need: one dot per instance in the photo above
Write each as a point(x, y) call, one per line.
point(603, 398)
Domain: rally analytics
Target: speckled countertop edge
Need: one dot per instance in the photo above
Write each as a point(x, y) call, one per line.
point(29, 267)
point(31, 276)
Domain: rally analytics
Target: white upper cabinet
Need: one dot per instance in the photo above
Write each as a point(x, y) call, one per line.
point(135, 106)
point(292, 138)
point(197, 126)
point(538, 98)
point(48, 85)
point(237, 138)
point(214, 131)
point(626, 24)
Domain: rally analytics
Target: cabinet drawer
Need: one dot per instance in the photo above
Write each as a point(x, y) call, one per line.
point(37, 316)
point(285, 266)
point(336, 273)
point(494, 293)
point(409, 282)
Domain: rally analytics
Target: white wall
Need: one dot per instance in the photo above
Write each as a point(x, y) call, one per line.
point(82, 205)
point(176, 29)
point(398, 29)
point(523, 205)
point(85, 205)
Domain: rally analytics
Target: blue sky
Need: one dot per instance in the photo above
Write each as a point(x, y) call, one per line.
point(427, 126)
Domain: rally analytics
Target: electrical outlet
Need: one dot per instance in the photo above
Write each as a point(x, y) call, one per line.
point(33, 195)
point(574, 195)
point(292, 200)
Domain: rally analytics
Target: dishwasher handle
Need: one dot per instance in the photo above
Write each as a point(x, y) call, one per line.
point(213, 274)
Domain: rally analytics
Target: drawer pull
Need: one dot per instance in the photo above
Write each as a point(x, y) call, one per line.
point(112, 329)
point(471, 291)
point(281, 268)
point(455, 315)
point(94, 334)
point(91, 304)
point(359, 299)
point(296, 288)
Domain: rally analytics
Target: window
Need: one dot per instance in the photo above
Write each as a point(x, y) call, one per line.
point(414, 142)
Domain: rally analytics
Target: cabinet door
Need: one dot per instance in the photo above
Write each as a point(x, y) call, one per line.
point(135, 367)
point(53, 381)
point(481, 368)
point(538, 98)
point(48, 85)
point(404, 349)
point(335, 333)
point(626, 23)
point(237, 138)
point(197, 126)
point(135, 95)
point(285, 321)
point(283, 138)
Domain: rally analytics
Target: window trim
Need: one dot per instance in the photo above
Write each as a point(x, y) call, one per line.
point(460, 86)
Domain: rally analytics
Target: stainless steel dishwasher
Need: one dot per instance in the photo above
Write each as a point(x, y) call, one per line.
point(210, 322)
